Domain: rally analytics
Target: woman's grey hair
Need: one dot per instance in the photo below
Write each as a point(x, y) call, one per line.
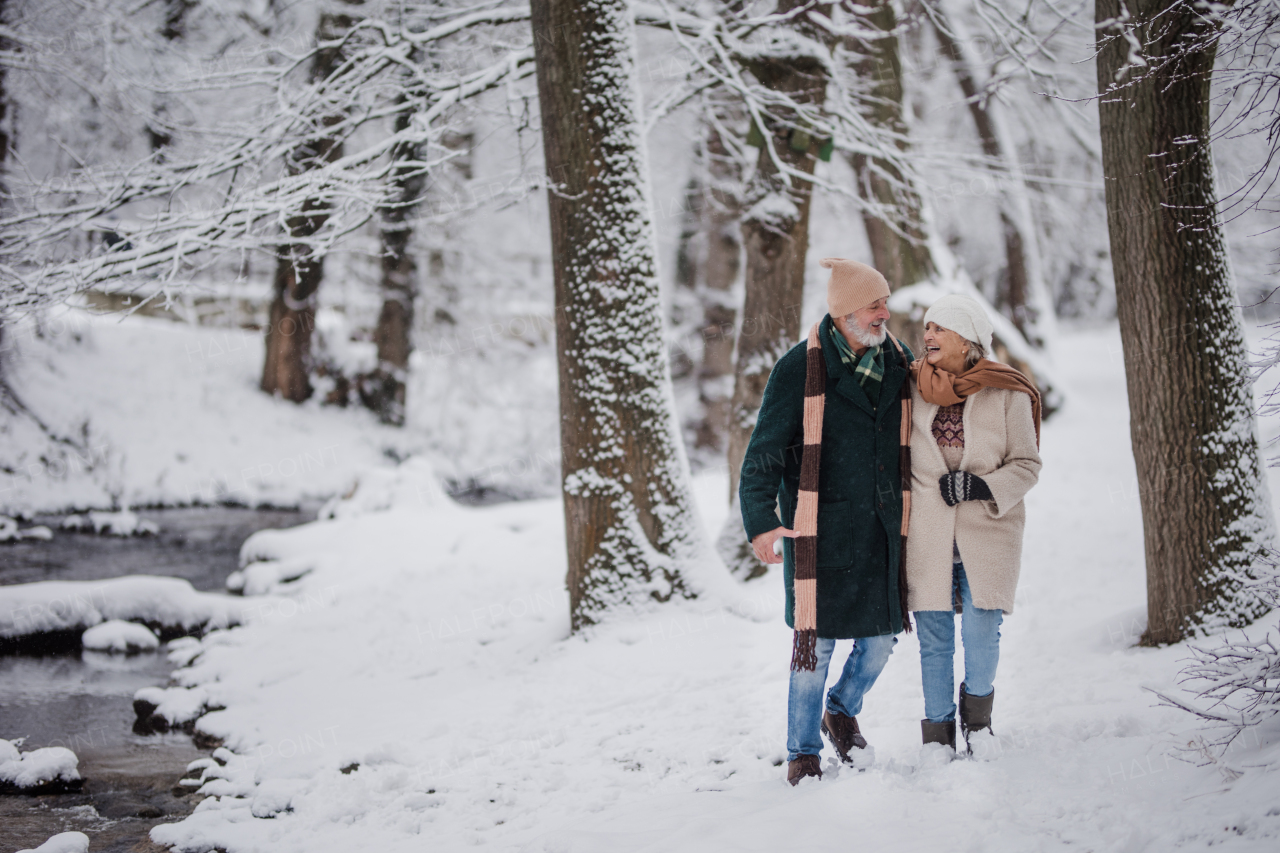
point(975, 354)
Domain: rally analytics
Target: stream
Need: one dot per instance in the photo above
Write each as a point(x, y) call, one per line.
point(84, 700)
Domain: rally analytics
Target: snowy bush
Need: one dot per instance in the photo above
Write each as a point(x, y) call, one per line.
point(1235, 684)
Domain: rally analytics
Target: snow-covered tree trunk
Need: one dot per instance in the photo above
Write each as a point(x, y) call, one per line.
point(299, 270)
point(775, 238)
point(6, 119)
point(6, 139)
point(629, 515)
point(1205, 507)
point(173, 29)
point(721, 263)
point(1023, 292)
point(383, 390)
point(892, 215)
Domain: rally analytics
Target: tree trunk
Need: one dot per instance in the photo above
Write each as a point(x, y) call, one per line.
point(775, 237)
point(299, 270)
point(6, 139)
point(629, 517)
point(1205, 508)
point(1022, 291)
point(173, 29)
point(893, 215)
point(383, 390)
point(721, 264)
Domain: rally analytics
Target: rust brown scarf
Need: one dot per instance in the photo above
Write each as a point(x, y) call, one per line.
point(946, 389)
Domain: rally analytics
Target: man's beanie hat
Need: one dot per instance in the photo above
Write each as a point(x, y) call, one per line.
point(852, 286)
point(964, 316)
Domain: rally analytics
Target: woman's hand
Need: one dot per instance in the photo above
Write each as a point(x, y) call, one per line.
point(962, 486)
point(763, 544)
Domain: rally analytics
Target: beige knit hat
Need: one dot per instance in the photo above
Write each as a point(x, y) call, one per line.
point(852, 286)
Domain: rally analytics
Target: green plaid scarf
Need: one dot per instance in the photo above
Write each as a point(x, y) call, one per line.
point(867, 369)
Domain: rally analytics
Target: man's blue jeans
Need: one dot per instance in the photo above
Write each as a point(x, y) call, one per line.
point(804, 699)
point(980, 633)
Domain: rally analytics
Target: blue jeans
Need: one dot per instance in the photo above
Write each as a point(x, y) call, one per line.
point(804, 698)
point(980, 633)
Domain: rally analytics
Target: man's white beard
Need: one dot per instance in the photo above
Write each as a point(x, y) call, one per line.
point(868, 338)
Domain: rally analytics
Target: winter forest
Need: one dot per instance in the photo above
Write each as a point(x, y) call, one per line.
point(428, 424)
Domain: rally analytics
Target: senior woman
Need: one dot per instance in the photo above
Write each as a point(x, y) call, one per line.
point(975, 434)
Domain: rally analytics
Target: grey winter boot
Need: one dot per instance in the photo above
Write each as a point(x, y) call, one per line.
point(943, 733)
point(975, 714)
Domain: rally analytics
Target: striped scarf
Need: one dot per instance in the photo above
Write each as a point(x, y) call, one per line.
point(804, 653)
point(868, 368)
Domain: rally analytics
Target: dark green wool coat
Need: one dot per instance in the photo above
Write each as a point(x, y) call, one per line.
point(859, 488)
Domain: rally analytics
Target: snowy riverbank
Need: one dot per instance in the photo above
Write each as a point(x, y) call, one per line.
point(420, 687)
point(140, 411)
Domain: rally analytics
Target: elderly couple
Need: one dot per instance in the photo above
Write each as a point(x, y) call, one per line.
point(900, 482)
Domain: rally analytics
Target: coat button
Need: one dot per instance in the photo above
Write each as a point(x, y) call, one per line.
point(881, 467)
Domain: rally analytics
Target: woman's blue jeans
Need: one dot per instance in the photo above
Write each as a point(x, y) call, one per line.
point(980, 633)
point(804, 698)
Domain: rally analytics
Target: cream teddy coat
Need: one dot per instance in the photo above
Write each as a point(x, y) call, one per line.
point(999, 447)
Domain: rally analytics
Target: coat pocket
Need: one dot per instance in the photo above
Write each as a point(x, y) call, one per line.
point(835, 535)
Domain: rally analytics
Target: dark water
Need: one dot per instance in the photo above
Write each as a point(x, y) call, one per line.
point(201, 544)
point(84, 701)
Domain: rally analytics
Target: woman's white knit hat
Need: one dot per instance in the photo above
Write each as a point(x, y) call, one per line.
point(964, 316)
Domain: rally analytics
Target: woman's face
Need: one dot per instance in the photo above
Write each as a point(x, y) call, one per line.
point(944, 348)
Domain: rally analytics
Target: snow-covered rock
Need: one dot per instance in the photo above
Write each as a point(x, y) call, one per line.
point(116, 635)
point(11, 532)
point(170, 605)
point(122, 523)
point(63, 842)
point(164, 708)
point(47, 769)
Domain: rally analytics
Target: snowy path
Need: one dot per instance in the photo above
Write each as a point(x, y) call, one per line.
point(428, 648)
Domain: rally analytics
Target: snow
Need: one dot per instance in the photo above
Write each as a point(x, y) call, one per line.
point(168, 603)
point(115, 635)
point(146, 411)
point(63, 842)
point(419, 685)
point(38, 767)
point(10, 531)
point(176, 705)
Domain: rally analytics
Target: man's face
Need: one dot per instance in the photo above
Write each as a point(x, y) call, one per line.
point(868, 326)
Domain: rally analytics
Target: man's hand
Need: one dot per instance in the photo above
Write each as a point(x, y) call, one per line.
point(763, 544)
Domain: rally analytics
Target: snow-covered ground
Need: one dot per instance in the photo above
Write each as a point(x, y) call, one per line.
point(146, 411)
point(418, 688)
point(170, 605)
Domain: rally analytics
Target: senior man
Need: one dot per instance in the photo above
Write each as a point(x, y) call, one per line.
point(828, 450)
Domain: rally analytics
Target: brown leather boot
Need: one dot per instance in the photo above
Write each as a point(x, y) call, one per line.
point(944, 733)
point(804, 765)
point(843, 733)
